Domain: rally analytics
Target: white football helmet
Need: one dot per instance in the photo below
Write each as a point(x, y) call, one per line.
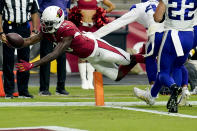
point(52, 18)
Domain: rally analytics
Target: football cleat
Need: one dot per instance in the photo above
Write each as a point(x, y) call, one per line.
point(84, 85)
point(184, 97)
point(144, 95)
point(194, 92)
point(172, 104)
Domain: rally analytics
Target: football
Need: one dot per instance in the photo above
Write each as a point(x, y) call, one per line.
point(15, 40)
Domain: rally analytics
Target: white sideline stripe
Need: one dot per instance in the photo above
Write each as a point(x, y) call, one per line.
point(54, 128)
point(154, 112)
point(107, 104)
point(9, 104)
point(94, 98)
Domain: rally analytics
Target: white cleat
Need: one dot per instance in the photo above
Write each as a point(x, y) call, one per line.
point(194, 92)
point(184, 97)
point(91, 86)
point(144, 95)
point(84, 85)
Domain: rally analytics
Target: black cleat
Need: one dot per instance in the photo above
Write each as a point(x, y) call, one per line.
point(44, 93)
point(8, 96)
point(62, 92)
point(26, 95)
point(172, 104)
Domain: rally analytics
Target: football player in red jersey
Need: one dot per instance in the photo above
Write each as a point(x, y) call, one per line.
point(111, 61)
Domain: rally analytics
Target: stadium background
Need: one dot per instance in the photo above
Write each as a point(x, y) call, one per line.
point(130, 38)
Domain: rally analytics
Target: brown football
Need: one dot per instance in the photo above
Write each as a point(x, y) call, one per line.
point(15, 40)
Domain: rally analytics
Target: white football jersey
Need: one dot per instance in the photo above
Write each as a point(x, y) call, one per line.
point(195, 18)
point(141, 13)
point(179, 14)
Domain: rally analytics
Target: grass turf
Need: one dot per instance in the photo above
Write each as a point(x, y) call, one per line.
point(95, 118)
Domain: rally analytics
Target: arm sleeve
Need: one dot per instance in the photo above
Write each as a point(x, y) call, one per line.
point(35, 7)
point(126, 19)
point(68, 4)
point(2, 3)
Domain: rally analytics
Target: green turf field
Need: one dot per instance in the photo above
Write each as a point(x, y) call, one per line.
point(95, 118)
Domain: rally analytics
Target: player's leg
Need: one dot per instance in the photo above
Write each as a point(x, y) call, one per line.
point(108, 69)
point(195, 36)
point(90, 71)
point(110, 54)
point(151, 65)
point(185, 37)
point(185, 92)
point(177, 63)
point(82, 65)
point(152, 49)
point(151, 69)
point(166, 58)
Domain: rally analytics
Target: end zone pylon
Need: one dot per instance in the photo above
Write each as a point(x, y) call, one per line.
point(98, 89)
point(15, 94)
point(2, 92)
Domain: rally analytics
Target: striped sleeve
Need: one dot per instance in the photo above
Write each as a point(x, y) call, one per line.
point(35, 7)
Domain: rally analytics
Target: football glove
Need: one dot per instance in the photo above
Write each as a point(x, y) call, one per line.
point(24, 66)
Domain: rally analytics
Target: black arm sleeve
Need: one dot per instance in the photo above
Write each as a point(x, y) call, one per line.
point(35, 7)
point(2, 4)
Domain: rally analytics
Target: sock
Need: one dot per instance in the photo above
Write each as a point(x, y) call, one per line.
point(123, 70)
point(139, 58)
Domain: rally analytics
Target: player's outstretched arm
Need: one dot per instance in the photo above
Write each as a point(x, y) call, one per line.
point(33, 39)
point(59, 49)
point(126, 19)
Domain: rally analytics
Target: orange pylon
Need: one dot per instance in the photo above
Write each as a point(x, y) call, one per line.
point(2, 92)
point(98, 89)
point(15, 88)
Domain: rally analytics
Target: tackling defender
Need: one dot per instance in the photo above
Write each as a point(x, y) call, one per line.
point(103, 57)
point(143, 14)
point(176, 43)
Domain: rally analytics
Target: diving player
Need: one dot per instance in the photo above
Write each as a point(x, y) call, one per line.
point(103, 57)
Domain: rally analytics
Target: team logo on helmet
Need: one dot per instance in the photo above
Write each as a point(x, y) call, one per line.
point(59, 13)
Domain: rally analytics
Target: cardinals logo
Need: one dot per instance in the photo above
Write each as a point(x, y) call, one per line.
point(59, 13)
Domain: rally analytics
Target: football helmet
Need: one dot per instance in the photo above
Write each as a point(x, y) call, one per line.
point(52, 18)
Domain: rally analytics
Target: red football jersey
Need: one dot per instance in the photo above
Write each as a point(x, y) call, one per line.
point(81, 46)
